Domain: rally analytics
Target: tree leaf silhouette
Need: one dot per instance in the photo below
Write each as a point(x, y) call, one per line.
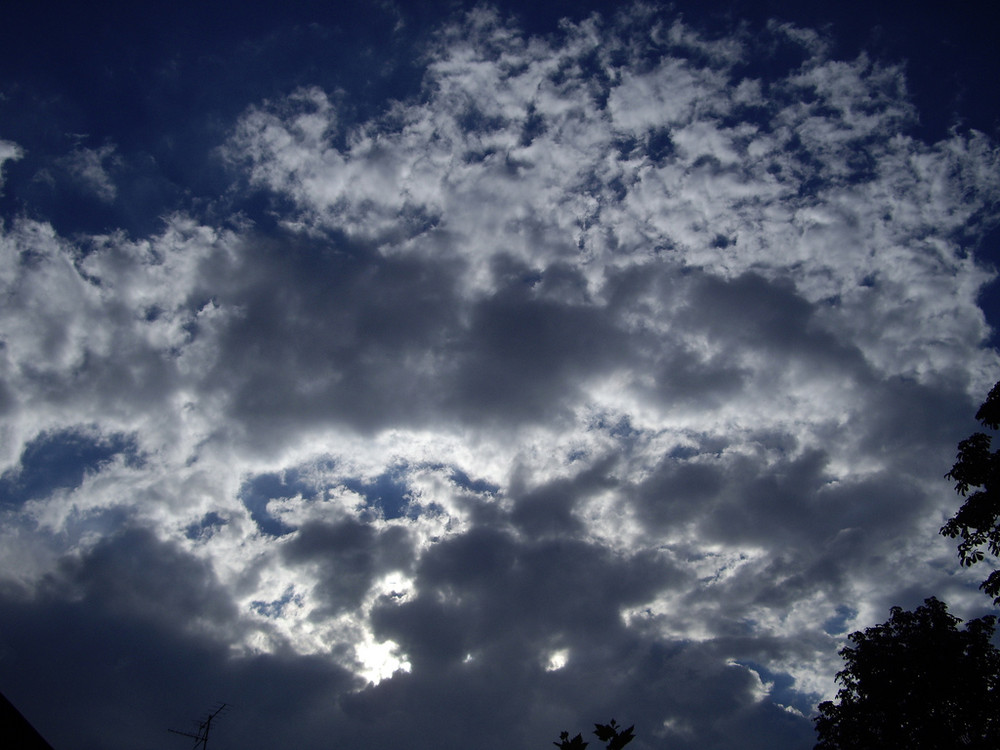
point(916, 681)
point(977, 522)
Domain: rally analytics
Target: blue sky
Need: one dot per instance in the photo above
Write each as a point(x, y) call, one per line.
point(448, 373)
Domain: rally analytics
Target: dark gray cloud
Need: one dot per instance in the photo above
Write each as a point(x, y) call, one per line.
point(121, 678)
point(133, 574)
point(350, 555)
point(524, 353)
point(339, 320)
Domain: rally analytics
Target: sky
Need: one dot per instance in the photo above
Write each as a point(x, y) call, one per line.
point(455, 374)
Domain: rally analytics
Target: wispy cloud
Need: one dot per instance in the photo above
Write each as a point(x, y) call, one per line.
point(87, 167)
point(9, 151)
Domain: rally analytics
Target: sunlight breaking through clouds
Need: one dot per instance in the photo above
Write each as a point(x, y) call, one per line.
point(613, 351)
point(557, 660)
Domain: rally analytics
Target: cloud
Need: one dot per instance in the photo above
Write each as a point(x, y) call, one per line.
point(9, 151)
point(606, 376)
point(86, 166)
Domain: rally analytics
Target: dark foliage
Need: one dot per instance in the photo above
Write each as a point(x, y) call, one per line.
point(978, 520)
point(916, 682)
point(614, 735)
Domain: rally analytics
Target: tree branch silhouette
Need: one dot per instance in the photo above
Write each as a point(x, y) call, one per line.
point(916, 681)
point(611, 733)
point(977, 522)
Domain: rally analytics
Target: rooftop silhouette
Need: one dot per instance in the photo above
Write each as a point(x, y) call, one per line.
point(16, 731)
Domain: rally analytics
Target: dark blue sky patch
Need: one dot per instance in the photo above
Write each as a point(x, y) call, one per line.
point(164, 82)
point(783, 690)
point(257, 491)
point(534, 126)
point(721, 242)
point(617, 187)
point(621, 428)
point(837, 624)
point(60, 460)
point(861, 162)
point(757, 114)
point(591, 68)
point(625, 145)
point(478, 156)
point(474, 120)
point(388, 492)
point(480, 486)
point(276, 608)
point(206, 527)
point(683, 452)
point(659, 145)
point(777, 57)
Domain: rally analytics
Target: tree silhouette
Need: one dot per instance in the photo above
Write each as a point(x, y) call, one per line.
point(916, 681)
point(615, 736)
point(978, 520)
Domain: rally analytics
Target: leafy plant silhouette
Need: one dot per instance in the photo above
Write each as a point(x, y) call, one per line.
point(612, 733)
point(978, 520)
point(916, 681)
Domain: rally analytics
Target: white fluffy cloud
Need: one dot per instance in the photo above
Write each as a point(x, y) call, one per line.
point(604, 375)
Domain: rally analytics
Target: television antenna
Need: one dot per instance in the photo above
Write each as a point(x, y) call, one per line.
point(201, 736)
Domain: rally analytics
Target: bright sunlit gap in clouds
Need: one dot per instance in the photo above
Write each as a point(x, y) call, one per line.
point(557, 660)
point(380, 661)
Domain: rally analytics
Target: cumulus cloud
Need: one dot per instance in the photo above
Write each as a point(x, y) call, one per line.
point(608, 376)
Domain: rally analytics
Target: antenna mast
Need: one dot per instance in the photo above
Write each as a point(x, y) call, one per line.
point(201, 738)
